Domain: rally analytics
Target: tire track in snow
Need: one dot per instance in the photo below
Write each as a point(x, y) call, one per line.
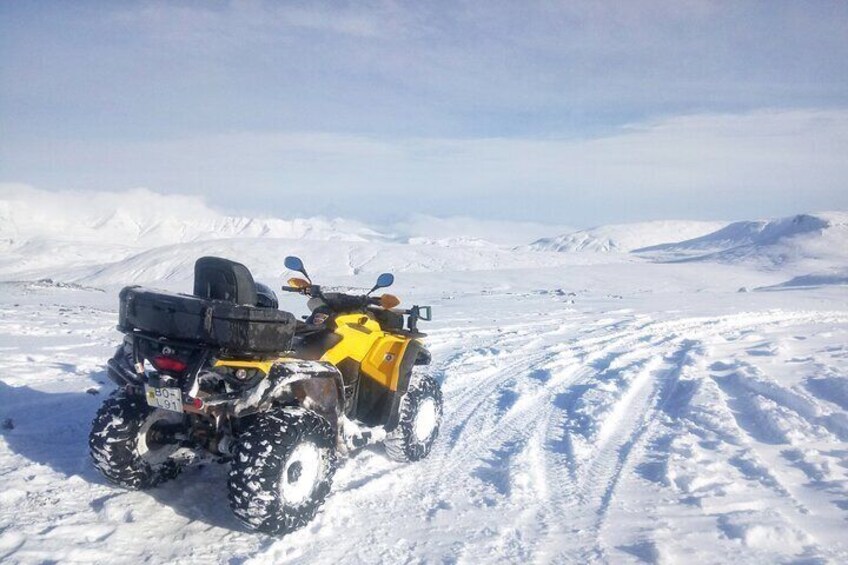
point(621, 445)
point(594, 481)
point(759, 428)
point(595, 488)
point(466, 409)
point(513, 429)
point(734, 324)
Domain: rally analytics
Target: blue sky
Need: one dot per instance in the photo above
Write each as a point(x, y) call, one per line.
point(564, 112)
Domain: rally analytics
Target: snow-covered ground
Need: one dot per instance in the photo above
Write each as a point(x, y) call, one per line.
point(598, 407)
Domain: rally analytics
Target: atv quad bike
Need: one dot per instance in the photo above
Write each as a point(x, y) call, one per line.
point(224, 375)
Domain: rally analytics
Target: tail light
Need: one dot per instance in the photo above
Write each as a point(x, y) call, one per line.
point(169, 364)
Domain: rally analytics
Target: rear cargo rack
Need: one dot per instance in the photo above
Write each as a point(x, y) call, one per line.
point(193, 321)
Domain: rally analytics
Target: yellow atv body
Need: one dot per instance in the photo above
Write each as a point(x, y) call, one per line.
point(224, 374)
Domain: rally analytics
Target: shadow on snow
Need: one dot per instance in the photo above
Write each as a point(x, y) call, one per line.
point(51, 429)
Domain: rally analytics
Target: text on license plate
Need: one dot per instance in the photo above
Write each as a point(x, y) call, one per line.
point(164, 397)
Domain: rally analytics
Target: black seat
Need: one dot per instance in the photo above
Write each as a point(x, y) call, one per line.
point(221, 279)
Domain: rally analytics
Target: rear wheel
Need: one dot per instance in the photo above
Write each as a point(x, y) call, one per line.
point(418, 421)
point(127, 442)
point(282, 469)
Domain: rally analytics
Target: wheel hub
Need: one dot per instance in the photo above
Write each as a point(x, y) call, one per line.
point(301, 474)
point(152, 443)
point(426, 419)
point(294, 471)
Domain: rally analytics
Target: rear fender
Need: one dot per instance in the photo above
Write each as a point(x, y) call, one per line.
point(315, 385)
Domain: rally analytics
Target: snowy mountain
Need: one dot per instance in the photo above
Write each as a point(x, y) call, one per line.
point(419, 228)
point(821, 237)
point(623, 238)
point(174, 264)
point(143, 218)
point(73, 234)
point(807, 246)
point(142, 236)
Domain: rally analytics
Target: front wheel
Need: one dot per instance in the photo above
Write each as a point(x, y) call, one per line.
point(128, 442)
point(282, 469)
point(418, 421)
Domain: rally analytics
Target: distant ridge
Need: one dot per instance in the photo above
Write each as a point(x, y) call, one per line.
point(777, 241)
point(143, 218)
point(623, 238)
point(738, 234)
point(138, 235)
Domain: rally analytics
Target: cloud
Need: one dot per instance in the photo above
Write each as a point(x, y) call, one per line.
point(558, 111)
point(707, 165)
point(207, 24)
point(427, 69)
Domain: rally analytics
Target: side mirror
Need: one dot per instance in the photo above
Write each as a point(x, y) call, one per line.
point(293, 263)
point(384, 280)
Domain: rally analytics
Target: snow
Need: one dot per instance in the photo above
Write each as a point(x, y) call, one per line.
point(494, 231)
point(307, 456)
point(143, 218)
point(43, 231)
point(599, 407)
point(837, 277)
point(425, 420)
point(625, 237)
point(814, 238)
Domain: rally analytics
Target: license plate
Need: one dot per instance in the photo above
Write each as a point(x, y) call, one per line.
point(164, 397)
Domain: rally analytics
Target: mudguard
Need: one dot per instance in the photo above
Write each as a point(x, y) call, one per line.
point(315, 385)
point(380, 406)
point(416, 354)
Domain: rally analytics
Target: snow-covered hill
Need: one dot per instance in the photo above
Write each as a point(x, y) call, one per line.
point(143, 218)
point(142, 236)
point(806, 247)
point(175, 263)
point(811, 241)
point(625, 237)
point(45, 233)
point(417, 228)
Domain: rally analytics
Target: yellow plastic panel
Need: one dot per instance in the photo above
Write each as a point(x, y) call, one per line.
point(264, 366)
point(358, 333)
point(383, 361)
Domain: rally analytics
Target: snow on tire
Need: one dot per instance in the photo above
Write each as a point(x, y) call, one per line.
point(418, 422)
point(282, 469)
point(121, 444)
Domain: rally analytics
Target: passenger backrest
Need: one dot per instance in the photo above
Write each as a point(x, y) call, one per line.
point(222, 279)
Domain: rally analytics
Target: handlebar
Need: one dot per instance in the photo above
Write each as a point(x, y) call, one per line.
point(339, 301)
point(291, 289)
point(335, 300)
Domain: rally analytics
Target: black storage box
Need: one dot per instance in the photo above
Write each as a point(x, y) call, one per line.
point(234, 328)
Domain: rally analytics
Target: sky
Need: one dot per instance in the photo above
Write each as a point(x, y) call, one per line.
point(577, 113)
